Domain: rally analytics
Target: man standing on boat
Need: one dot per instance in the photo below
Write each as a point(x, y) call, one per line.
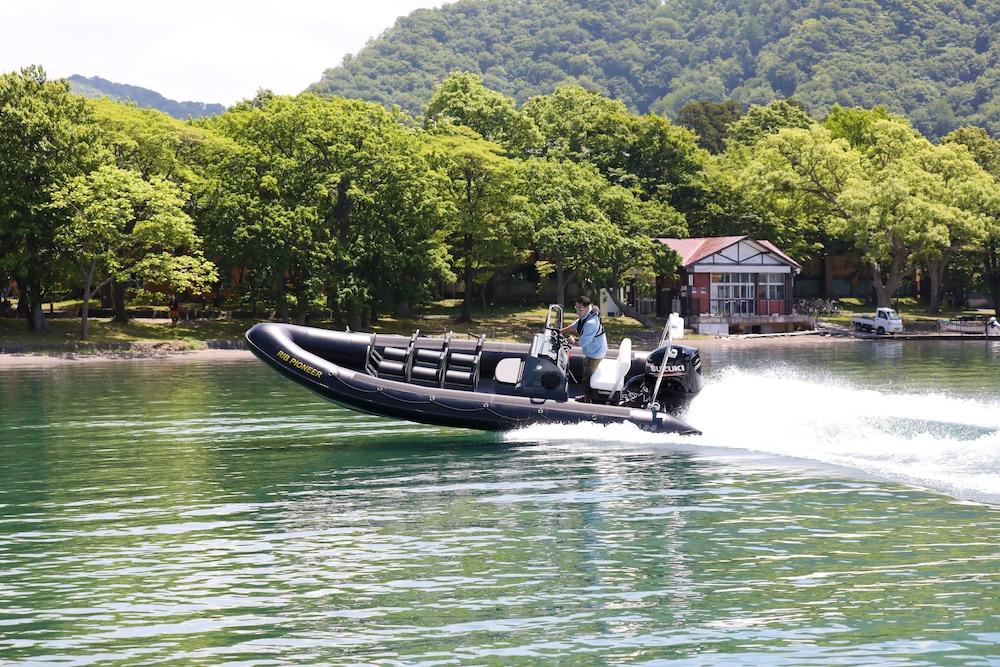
point(593, 341)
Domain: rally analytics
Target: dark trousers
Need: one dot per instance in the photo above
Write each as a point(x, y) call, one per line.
point(589, 366)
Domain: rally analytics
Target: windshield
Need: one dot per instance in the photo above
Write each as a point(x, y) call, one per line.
point(893, 315)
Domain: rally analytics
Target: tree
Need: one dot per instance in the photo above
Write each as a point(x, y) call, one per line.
point(897, 198)
point(644, 153)
point(152, 143)
point(760, 121)
point(856, 125)
point(627, 252)
point(580, 125)
point(132, 228)
point(462, 99)
point(971, 196)
point(710, 121)
point(727, 204)
point(331, 198)
point(487, 227)
point(986, 152)
point(564, 202)
point(46, 138)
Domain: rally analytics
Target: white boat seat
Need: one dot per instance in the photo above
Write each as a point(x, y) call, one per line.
point(508, 370)
point(610, 374)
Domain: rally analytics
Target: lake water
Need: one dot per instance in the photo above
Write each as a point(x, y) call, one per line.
point(842, 507)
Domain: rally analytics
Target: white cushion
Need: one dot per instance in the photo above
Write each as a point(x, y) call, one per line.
point(610, 373)
point(508, 370)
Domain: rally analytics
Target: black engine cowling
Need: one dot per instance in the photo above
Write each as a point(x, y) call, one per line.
point(682, 378)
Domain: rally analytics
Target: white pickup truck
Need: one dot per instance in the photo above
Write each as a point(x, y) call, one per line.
point(884, 321)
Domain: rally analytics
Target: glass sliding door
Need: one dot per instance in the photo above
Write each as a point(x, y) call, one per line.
point(733, 294)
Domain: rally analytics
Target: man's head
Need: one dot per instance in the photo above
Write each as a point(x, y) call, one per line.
point(582, 304)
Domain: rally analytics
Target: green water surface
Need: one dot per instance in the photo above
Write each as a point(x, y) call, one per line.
point(185, 513)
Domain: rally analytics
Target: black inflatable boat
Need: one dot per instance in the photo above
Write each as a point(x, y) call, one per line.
point(485, 385)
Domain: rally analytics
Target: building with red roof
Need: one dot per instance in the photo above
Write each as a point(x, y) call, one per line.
point(730, 283)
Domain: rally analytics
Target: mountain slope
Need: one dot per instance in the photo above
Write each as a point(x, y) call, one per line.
point(97, 87)
point(936, 61)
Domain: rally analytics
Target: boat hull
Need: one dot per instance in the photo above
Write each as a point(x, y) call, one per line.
point(321, 361)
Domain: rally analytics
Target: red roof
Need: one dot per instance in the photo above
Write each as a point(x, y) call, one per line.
point(695, 249)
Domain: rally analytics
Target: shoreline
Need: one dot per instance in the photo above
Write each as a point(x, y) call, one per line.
point(24, 356)
point(12, 360)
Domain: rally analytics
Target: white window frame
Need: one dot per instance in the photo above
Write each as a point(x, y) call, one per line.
point(772, 286)
point(732, 293)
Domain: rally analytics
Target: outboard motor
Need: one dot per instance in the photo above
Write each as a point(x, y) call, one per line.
point(682, 378)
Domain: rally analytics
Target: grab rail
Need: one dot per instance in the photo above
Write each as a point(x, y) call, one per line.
point(668, 335)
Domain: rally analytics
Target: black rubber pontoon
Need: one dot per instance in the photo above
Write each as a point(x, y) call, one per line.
point(480, 385)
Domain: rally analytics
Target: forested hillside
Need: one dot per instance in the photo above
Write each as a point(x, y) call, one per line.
point(936, 61)
point(96, 87)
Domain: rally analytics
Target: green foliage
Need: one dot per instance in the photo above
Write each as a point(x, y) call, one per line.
point(134, 228)
point(342, 205)
point(938, 63)
point(582, 222)
point(486, 226)
point(45, 139)
point(463, 100)
point(896, 196)
point(644, 153)
point(150, 142)
point(986, 152)
point(710, 122)
point(327, 195)
point(761, 121)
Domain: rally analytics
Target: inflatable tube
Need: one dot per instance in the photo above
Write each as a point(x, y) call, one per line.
point(335, 365)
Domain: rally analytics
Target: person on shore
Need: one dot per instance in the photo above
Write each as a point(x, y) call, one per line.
point(175, 310)
point(592, 339)
point(992, 326)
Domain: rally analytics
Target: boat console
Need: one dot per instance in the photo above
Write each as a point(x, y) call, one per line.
point(543, 373)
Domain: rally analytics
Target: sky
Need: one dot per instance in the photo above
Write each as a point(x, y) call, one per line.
point(194, 50)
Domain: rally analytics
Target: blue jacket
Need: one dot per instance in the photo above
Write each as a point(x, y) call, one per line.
point(593, 342)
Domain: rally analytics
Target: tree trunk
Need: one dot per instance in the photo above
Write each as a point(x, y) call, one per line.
point(354, 317)
point(884, 291)
point(36, 314)
point(991, 265)
point(558, 297)
point(935, 271)
point(470, 274)
point(562, 282)
point(626, 309)
point(118, 302)
point(563, 286)
point(402, 309)
point(22, 297)
point(302, 307)
point(85, 312)
point(827, 276)
point(282, 297)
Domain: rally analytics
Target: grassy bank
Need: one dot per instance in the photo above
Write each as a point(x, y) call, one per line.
point(509, 323)
point(506, 323)
point(912, 312)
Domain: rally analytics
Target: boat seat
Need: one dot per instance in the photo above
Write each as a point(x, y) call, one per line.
point(508, 370)
point(610, 374)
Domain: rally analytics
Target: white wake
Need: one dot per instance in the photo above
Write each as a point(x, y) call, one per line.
point(937, 441)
